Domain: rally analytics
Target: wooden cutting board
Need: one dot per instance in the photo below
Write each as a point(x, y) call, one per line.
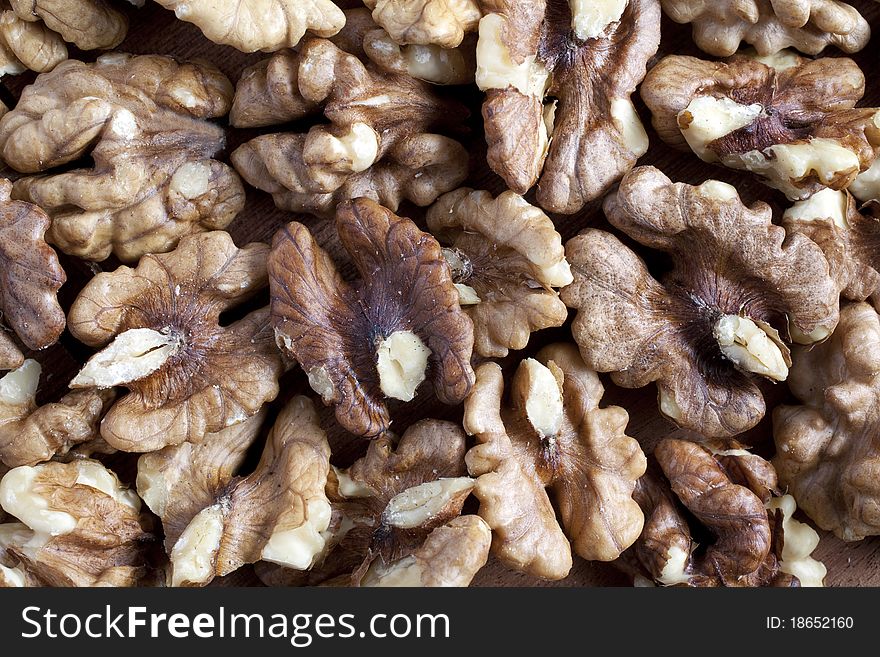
point(156, 30)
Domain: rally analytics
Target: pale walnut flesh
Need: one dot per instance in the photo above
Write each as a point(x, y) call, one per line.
point(30, 274)
point(732, 495)
point(848, 236)
point(159, 326)
point(552, 435)
point(795, 126)
point(437, 22)
point(88, 24)
point(431, 63)
point(28, 45)
point(143, 121)
point(507, 262)
point(267, 25)
point(30, 434)
point(739, 291)
point(379, 142)
point(78, 526)
point(381, 335)
point(558, 77)
point(827, 451)
point(278, 513)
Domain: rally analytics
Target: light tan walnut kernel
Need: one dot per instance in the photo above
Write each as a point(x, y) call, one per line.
point(506, 259)
point(27, 45)
point(377, 337)
point(558, 77)
point(378, 142)
point(78, 527)
point(771, 25)
point(739, 291)
point(142, 121)
point(438, 22)
point(789, 120)
point(88, 24)
point(551, 434)
point(159, 327)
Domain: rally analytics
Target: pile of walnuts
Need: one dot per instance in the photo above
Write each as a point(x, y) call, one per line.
point(363, 395)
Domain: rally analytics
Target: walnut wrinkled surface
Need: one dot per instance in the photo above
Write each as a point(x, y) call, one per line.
point(558, 77)
point(142, 120)
point(440, 22)
point(720, 26)
point(27, 45)
point(159, 327)
point(378, 142)
point(78, 526)
point(377, 337)
point(791, 121)
point(507, 261)
point(551, 434)
point(738, 292)
point(827, 450)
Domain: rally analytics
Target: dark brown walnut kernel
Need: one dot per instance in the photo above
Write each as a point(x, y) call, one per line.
point(380, 336)
point(159, 326)
point(558, 83)
point(792, 121)
point(738, 294)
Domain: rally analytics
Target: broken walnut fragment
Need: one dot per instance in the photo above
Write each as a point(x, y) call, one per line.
point(721, 26)
point(738, 293)
point(378, 142)
point(442, 23)
point(791, 121)
point(558, 77)
point(827, 450)
point(30, 434)
point(380, 336)
point(26, 44)
point(551, 434)
point(506, 259)
point(78, 526)
point(159, 329)
point(733, 496)
point(30, 276)
point(142, 120)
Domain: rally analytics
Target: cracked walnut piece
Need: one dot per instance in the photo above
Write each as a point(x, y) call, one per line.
point(827, 450)
point(376, 145)
point(31, 434)
point(791, 121)
point(380, 336)
point(78, 527)
point(88, 24)
point(278, 513)
point(738, 290)
point(30, 276)
point(142, 121)
point(426, 22)
point(733, 495)
point(551, 434)
point(771, 25)
point(27, 45)
point(267, 25)
point(159, 326)
point(849, 238)
point(588, 57)
point(506, 259)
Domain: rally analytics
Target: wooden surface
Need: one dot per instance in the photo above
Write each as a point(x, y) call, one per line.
point(155, 30)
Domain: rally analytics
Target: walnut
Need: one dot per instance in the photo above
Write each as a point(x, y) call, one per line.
point(30, 276)
point(27, 45)
point(738, 292)
point(31, 434)
point(141, 119)
point(78, 527)
point(438, 22)
point(849, 239)
point(162, 339)
point(215, 523)
point(396, 516)
point(771, 25)
point(558, 77)
point(380, 336)
point(551, 434)
point(790, 120)
point(506, 259)
point(88, 24)
point(866, 186)
point(827, 452)
point(733, 495)
point(377, 143)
